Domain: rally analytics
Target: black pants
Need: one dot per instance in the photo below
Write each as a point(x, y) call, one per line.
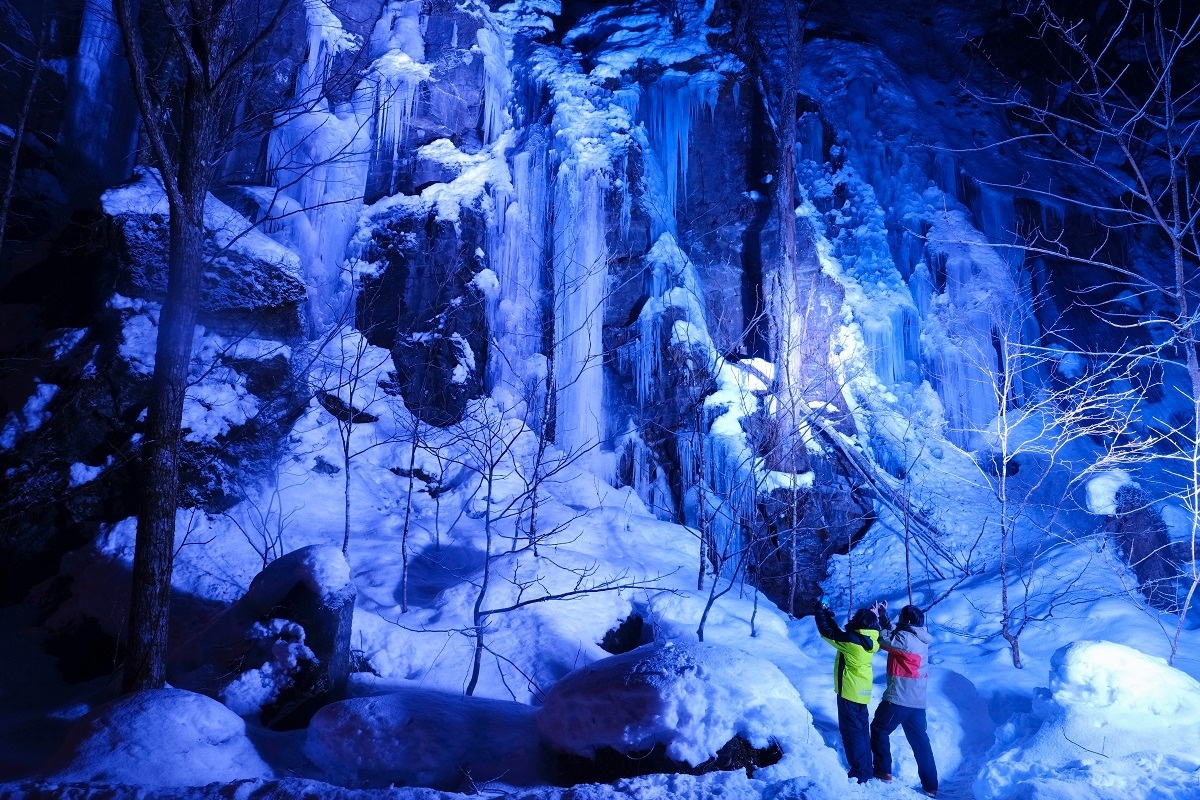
point(856, 737)
point(887, 717)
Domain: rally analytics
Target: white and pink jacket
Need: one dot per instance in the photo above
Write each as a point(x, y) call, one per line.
point(907, 665)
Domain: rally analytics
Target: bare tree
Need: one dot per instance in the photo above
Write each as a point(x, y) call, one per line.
point(185, 85)
point(1118, 110)
point(14, 21)
point(1039, 432)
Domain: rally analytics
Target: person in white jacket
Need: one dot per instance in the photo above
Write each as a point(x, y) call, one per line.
point(904, 700)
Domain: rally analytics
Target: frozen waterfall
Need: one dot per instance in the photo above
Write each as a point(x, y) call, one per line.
point(580, 258)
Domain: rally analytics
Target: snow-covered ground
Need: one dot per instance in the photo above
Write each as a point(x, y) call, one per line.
point(1094, 713)
point(486, 563)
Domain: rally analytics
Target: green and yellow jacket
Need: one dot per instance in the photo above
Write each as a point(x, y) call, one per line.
point(852, 675)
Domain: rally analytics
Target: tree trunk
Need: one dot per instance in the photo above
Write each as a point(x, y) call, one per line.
point(150, 601)
point(151, 596)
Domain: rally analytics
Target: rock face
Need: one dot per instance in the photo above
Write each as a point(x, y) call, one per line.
point(427, 304)
point(250, 284)
point(283, 650)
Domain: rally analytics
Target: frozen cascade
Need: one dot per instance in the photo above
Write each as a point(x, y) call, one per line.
point(674, 284)
point(100, 124)
point(997, 219)
point(399, 28)
point(317, 158)
point(668, 110)
point(715, 458)
point(580, 258)
point(649, 479)
point(980, 305)
point(326, 39)
point(945, 168)
point(857, 254)
point(811, 137)
point(516, 245)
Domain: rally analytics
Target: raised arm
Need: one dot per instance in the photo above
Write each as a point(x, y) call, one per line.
point(829, 629)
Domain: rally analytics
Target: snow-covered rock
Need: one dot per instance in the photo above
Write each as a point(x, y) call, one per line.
point(1115, 724)
point(1102, 491)
point(250, 281)
point(418, 737)
point(159, 739)
point(691, 699)
point(283, 650)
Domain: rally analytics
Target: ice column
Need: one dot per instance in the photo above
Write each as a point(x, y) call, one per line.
point(581, 275)
point(396, 81)
point(496, 84)
point(516, 244)
point(100, 124)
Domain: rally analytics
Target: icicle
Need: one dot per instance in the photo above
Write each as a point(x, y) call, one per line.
point(945, 168)
point(397, 80)
point(812, 137)
point(496, 84)
point(670, 105)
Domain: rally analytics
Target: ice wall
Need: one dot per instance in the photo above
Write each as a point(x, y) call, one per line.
point(932, 285)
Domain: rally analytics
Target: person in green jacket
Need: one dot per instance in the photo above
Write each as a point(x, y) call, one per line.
point(852, 679)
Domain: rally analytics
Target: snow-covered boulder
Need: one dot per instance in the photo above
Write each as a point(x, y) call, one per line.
point(283, 650)
point(419, 737)
point(680, 707)
point(160, 739)
point(1115, 724)
point(251, 283)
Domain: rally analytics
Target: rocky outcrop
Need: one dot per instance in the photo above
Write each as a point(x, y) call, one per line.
point(76, 437)
point(1147, 547)
point(251, 284)
point(426, 302)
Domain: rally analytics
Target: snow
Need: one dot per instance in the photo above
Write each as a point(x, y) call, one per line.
point(692, 698)
point(323, 569)
point(416, 737)
point(160, 739)
point(1114, 723)
point(32, 415)
point(144, 195)
point(1102, 491)
point(249, 692)
point(84, 473)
